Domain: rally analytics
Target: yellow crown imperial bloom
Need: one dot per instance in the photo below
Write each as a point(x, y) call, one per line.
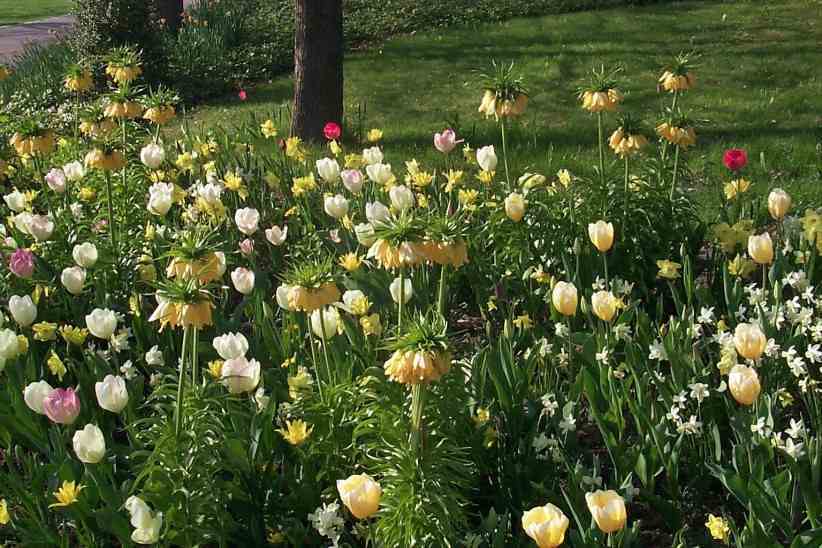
point(371, 325)
point(268, 129)
point(668, 269)
point(67, 494)
point(79, 82)
point(295, 432)
point(56, 365)
point(160, 115)
point(718, 527)
point(625, 144)
point(736, 187)
point(310, 299)
point(5, 518)
point(681, 137)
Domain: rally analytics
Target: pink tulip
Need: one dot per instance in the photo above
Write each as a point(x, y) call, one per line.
point(247, 247)
point(446, 141)
point(62, 405)
point(21, 263)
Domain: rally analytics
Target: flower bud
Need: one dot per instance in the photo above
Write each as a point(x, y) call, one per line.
point(41, 227)
point(750, 341)
point(546, 525)
point(360, 494)
point(743, 382)
point(515, 207)
point(276, 235)
point(379, 173)
point(101, 323)
point(372, 156)
point(243, 280)
point(365, 234)
point(487, 158)
point(602, 235)
point(34, 394)
point(231, 345)
point(564, 298)
point(402, 198)
point(604, 305)
point(112, 393)
point(407, 290)
point(74, 171)
point(760, 248)
point(330, 321)
point(152, 155)
point(779, 202)
point(247, 220)
point(336, 206)
point(352, 180)
point(85, 254)
point(376, 212)
point(329, 170)
point(23, 310)
point(56, 180)
point(89, 444)
point(240, 375)
point(62, 405)
point(607, 509)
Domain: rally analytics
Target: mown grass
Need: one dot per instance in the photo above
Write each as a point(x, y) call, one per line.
point(758, 87)
point(17, 11)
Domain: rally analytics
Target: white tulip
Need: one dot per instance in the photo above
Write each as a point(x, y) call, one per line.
point(379, 173)
point(89, 444)
point(161, 198)
point(377, 212)
point(240, 375)
point(73, 278)
point(146, 525)
point(330, 321)
point(276, 235)
point(336, 206)
point(112, 394)
point(41, 227)
point(152, 155)
point(56, 180)
point(85, 254)
point(352, 180)
point(407, 290)
point(230, 346)
point(243, 280)
point(210, 193)
point(23, 310)
point(34, 394)
point(329, 170)
point(9, 346)
point(101, 323)
point(154, 357)
point(401, 197)
point(282, 296)
point(74, 171)
point(16, 200)
point(22, 221)
point(221, 264)
point(372, 156)
point(247, 220)
point(365, 234)
point(487, 158)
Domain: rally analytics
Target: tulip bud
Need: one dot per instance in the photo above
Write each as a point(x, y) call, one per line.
point(487, 158)
point(240, 375)
point(9, 346)
point(607, 509)
point(564, 298)
point(546, 525)
point(40, 226)
point(276, 235)
point(89, 444)
point(247, 220)
point(743, 382)
point(247, 247)
point(407, 290)
point(336, 206)
point(330, 321)
point(329, 170)
point(282, 294)
point(230, 346)
point(352, 180)
point(445, 141)
point(515, 207)
point(62, 405)
point(402, 198)
point(101, 323)
point(16, 201)
point(376, 212)
point(379, 173)
point(74, 171)
point(360, 494)
point(602, 235)
point(243, 280)
point(760, 248)
point(56, 180)
point(85, 255)
point(779, 202)
point(161, 198)
point(73, 278)
point(23, 310)
point(34, 394)
point(604, 306)
point(372, 156)
point(112, 393)
point(750, 341)
point(152, 155)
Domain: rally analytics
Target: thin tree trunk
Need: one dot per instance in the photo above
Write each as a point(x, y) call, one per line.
point(318, 67)
point(171, 11)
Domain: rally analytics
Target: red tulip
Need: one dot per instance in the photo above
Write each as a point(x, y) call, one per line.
point(242, 95)
point(332, 131)
point(735, 159)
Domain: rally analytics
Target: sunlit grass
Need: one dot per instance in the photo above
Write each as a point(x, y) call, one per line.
point(12, 11)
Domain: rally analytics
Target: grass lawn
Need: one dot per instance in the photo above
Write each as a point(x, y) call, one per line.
point(17, 11)
point(758, 87)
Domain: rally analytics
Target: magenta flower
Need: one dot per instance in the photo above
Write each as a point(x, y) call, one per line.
point(21, 263)
point(446, 141)
point(62, 405)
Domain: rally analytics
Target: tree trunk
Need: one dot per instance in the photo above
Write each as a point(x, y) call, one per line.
point(171, 11)
point(318, 67)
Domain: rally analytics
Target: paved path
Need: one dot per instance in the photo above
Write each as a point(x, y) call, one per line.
point(13, 38)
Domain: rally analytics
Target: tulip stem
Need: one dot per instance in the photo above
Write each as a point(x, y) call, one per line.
point(325, 350)
point(178, 418)
point(676, 171)
point(570, 343)
point(505, 154)
point(605, 264)
point(625, 194)
point(441, 292)
point(314, 357)
point(764, 277)
point(601, 150)
point(110, 200)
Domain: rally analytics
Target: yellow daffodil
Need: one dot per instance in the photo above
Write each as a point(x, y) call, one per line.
point(371, 325)
point(736, 187)
point(303, 185)
point(353, 161)
point(741, 267)
point(718, 527)
point(74, 335)
point(5, 518)
point(295, 432)
point(56, 365)
point(295, 149)
point(524, 321)
point(482, 416)
point(44, 331)
point(299, 385)
point(67, 494)
point(215, 368)
point(374, 135)
point(351, 262)
point(668, 269)
point(268, 129)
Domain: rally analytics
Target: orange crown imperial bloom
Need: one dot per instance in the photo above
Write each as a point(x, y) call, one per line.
point(160, 115)
point(310, 299)
point(601, 101)
point(197, 315)
point(420, 367)
point(681, 137)
point(206, 270)
point(111, 161)
point(389, 257)
point(626, 144)
point(43, 144)
point(676, 82)
point(79, 82)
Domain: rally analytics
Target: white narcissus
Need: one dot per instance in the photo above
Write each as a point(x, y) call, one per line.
point(247, 220)
point(23, 310)
point(101, 323)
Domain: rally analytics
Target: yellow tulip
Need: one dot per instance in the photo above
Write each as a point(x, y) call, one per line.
point(749, 341)
point(295, 432)
point(546, 525)
point(760, 248)
point(604, 305)
point(67, 494)
point(601, 235)
point(607, 509)
point(5, 518)
point(360, 494)
point(779, 202)
point(564, 297)
point(515, 207)
point(743, 382)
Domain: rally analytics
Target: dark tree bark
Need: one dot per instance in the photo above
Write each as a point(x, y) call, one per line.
point(318, 67)
point(171, 11)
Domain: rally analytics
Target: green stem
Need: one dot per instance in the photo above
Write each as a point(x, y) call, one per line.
point(195, 370)
point(400, 301)
point(676, 171)
point(625, 194)
point(505, 154)
point(605, 264)
point(570, 343)
point(417, 405)
point(601, 149)
point(325, 349)
point(178, 418)
point(110, 199)
point(314, 357)
point(441, 291)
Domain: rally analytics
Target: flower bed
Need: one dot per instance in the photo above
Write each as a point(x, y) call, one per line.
point(237, 339)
